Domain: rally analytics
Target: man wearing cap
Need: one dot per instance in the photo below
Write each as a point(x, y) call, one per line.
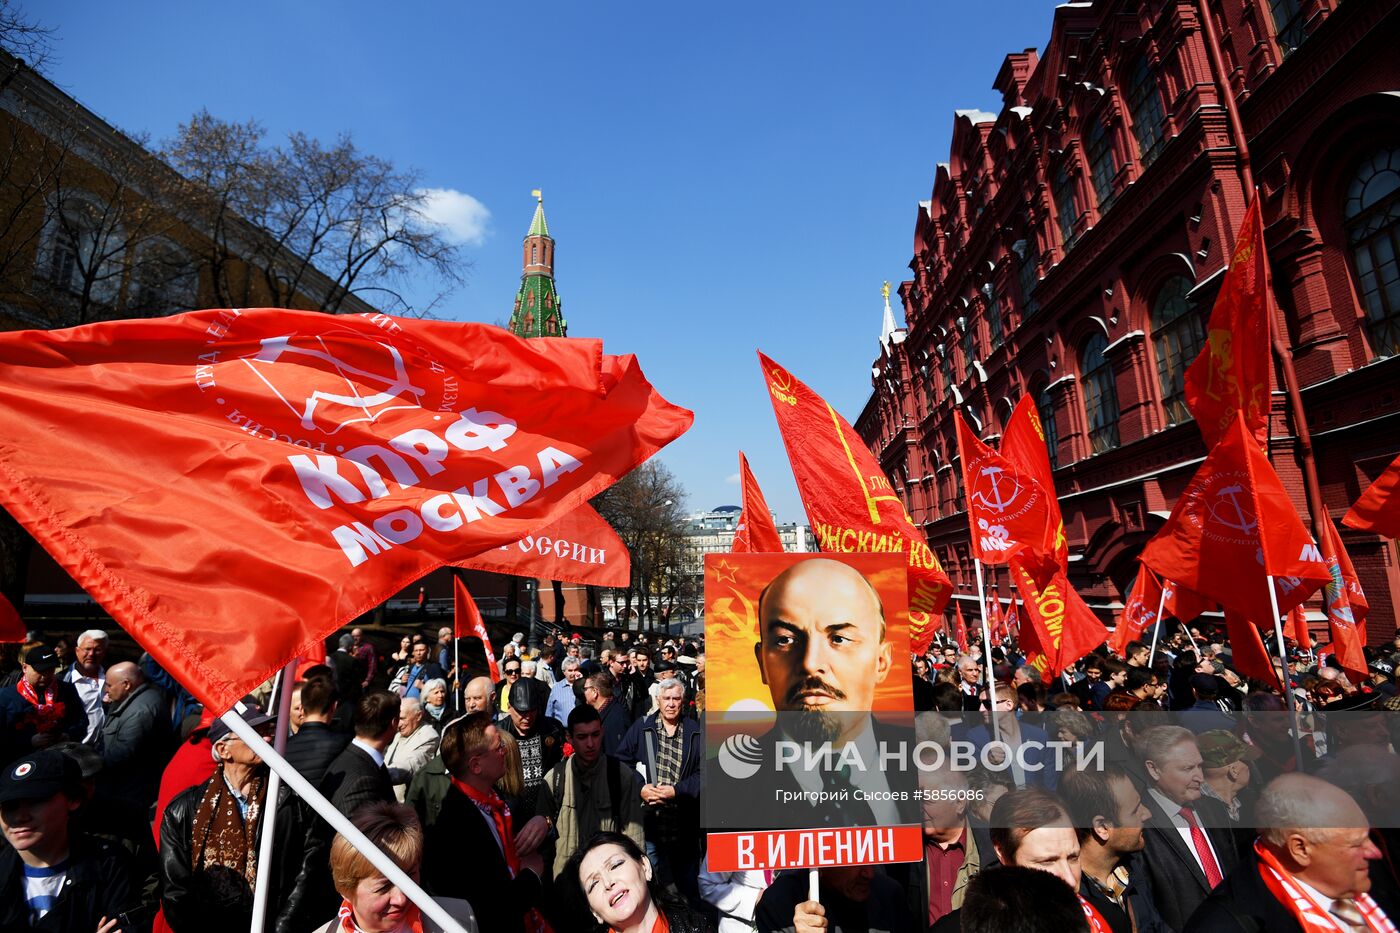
point(209, 837)
point(40, 709)
point(1225, 763)
point(541, 741)
point(52, 878)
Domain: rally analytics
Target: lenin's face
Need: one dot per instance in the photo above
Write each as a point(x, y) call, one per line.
point(823, 646)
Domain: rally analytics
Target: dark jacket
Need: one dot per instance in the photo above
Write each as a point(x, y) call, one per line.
point(313, 748)
point(353, 780)
point(136, 744)
point(189, 902)
point(1177, 881)
point(499, 900)
point(551, 753)
point(18, 718)
point(1242, 904)
point(616, 721)
point(1141, 915)
point(883, 912)
point(99, 884)
point(427, 789)
point(640, 746)
point(1042, 772)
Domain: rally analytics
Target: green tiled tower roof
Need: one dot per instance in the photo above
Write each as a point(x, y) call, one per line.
point(538, 311)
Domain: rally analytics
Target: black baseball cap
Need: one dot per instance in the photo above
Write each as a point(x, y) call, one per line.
point(38, 776)
point(41, 657)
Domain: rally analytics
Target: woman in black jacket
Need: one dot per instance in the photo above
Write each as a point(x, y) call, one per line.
point(612, 880)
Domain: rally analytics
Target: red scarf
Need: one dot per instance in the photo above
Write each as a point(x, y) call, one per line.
point(412, 921)
point(1308, 912)
point(1097, 924)
point(49, 715)
point(500, 817)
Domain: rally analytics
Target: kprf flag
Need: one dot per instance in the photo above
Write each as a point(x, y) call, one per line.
point(1023, 443)
point(581, 547)
point(850, 504)
point(1345, 603)
point(756, 531)
point(960, 628)
point(11, 625)
point(1232, 372)
point(1007, 510)
point(1378, 509)
point(1247, 652)
point(467, 623)
point(233, 485)
point(1139, 611)
point(1066, 628)
point(1232, 528)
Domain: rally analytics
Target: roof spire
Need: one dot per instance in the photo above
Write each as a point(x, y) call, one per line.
point(538, 227)
point(888, 329)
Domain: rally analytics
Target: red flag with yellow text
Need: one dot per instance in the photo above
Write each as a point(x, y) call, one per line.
point(234, 485)
point(1233, 525)
point(1346, 605)
point(1247, 652)
point(581, 547)
point(1233, 371)
point(467, 623)
point(1066, 628)
point(1008, 513)
point(1139, 610)
point(756, 531)
point(1378, 508)
point(850, 504)
point(1023, 443)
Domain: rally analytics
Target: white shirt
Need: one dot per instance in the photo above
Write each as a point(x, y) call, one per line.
point(1323, 900)
point(371, 751)
point(872, 780)
point(1183, 828)
point(90, 692)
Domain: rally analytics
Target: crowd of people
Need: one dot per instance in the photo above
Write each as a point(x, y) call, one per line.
point(565, 795)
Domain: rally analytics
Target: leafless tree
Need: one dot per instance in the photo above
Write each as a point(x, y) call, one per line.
point(24, 37)
point(647, 509)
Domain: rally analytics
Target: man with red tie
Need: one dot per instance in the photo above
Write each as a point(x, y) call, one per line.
point(1189, 845)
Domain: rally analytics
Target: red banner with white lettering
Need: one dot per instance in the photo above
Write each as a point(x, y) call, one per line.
point(1139, 612)
point(756, 531)
point(581, 547)
point(780, 849)
point(1233, 372)
point(1066, 628)
point(1007, 510)
point(234, 485)
point(1378, 508)
point(850, 503)
point(467, 623)
point(1346, 605)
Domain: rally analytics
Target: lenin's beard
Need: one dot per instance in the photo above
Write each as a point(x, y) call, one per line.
point(809, 724)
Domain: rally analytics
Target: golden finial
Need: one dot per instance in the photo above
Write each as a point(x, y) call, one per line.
point(537, 195)
point(885, 290)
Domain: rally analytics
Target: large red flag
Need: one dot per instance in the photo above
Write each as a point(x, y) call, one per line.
point(960, 628)
point(11, 625)
point(1023, 443)
point(756, 531)
point(467, 623)
point(233, 485)
point(850, 504)
point(1247, 652)
point(1345, 604)
point(1182, 604)
point(1139, 611)
point(1234, 524)
point(1007, 510)
point(1066, 628)
point(581, 547)
point(1378, 509)
point(1233, 371)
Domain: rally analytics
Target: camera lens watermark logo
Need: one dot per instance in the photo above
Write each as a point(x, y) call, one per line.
point(740, 756)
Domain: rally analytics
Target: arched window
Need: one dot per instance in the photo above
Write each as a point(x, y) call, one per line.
point(1177, 335)
point(1099, 147)
point(969, 345)
point(1029, 274)
point(1045, 407)
point(994, 335)
point(1100, 394)
point(1371, 215)
point(945, 364)
point(1145, 104)
point(1066, 204)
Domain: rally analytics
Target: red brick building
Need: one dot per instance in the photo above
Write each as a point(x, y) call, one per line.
point(1074, 241)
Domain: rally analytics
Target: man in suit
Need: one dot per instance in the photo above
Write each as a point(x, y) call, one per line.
point(1032, 763)
point(1189, 847)
point(316, 744)
point(358, 775)
point(599, 690)
point(1299, 878)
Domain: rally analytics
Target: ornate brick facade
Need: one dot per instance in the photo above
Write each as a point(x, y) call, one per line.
point(1073, 245)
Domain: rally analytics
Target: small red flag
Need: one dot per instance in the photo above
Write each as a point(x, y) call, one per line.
point(1183, 604)
point(467, 623)
point(1007, 510)
point(1247, 652)
point(1023, 443)
point(994, 620)
point(1345, 604)
point(1233, 525)
point(1297, 628)
point(1066, 628)
point(1139, 611)
point(234, 485)
point(581, 547)
point(756, 531)
point(1378, 508)
point(11, 625)
point(1012, 619)
point(1233, 370)
point(960, 628)
point(850, 503)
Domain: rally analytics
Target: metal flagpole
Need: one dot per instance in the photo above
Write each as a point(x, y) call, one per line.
point(987, 650)
point(1157, 629)
point(1287, 681)
point(282, 690)
point(341, 824)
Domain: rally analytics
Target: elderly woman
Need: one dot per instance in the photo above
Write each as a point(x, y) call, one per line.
point(435, 701)
point(613, 881)
point(371, 902)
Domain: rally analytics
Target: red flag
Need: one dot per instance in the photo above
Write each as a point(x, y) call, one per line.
point(1012, 619)
point(1007, 510)
point(1183, 604)
point(960, 628)
point(1247, 652)
point(11, 625)
point(1139, 611)
point(1234, 524)
point(756, 531)
point(1233, 371)
point(1378, 509)
point(1023, 443)
point(1066, 628)
point(850, 504)
point(994, 620)
point(232, 486)
point(581, 547)
point(467, 623)
point(1345, 604)
point(1296, 627)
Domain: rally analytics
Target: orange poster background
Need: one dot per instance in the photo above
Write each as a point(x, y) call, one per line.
point(732, 585)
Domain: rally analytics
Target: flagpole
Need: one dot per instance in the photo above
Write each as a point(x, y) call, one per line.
point(1287, 681)
point(282, 689)
point(987, 650)
point(1157, 629)
point(341, 824)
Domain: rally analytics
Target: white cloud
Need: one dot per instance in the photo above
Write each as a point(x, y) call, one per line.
point(464, 219)
point(732, 479)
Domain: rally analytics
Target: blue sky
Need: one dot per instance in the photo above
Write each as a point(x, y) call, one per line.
point(719, 177)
